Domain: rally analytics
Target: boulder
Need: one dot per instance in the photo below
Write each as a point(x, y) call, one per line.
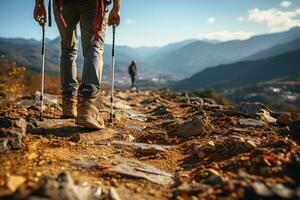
point(256, 109)
point(11, 133)
point(63, 187)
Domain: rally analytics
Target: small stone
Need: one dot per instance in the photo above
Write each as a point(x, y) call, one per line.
point(265, 115)
point(213, 172)
point(251, 108)
point(282, 191)
point(251, 122)
point(162, 110)
point(211, 143)
point(32, 156)
point(129, 138)
point(14, 182)
point(262, 190)
point(198, 150)
point(113, 194)
point(250, 144)
point(74, 138)
point(214, 180)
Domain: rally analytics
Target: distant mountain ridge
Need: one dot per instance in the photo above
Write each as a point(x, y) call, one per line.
point(275, 50)
point(181, 59)
point(199, 55)
point(244, 73)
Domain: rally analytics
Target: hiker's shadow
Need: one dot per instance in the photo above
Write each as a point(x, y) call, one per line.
point(65, 131)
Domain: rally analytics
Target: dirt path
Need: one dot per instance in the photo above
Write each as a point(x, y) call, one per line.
point(225, 159)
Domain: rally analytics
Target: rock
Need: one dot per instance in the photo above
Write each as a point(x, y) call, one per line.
point(261, 189)
point(209, 101)
point(162, 110)
point(113, 194)
point(186, 188)
point(199, 151)
point(214, 180)
point(213, 172)
point(251, 108)
point(32, 156)
point(249, 145)
point(11, 133)
point(211, 107)
point(75, 138)
point(284, 119)
point(281, 191)
point(148, 151)
point(251, 122)
point(203, 149)
point(129, 138)
point(136, 116)
point(14, 182)
point(265, 115)
point(49, 99)
point(257, 109)
point(199, 126)
point(162, 148)
point(138, 169)
point(63, 187)
point(137, 127)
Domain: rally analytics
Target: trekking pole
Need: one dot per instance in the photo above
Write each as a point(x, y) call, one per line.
point(43, 74)
point(112, 75)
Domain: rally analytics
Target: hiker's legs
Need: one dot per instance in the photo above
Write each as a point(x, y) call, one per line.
point(132, 80)
point(92, 49)
point(88, 115)
point(69, 45)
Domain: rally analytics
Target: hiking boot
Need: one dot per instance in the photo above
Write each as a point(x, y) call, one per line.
point(88, 115)
point(69, 105)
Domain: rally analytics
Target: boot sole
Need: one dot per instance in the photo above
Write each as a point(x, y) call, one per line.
point(88, 122)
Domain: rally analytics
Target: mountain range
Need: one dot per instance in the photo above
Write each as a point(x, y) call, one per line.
point(244, 73)
point(178, 60)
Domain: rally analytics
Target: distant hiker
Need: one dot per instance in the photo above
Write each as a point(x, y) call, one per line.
point(132, 70)
point(93, 17)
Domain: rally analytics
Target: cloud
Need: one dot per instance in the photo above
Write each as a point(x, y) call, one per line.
point(275, 19)
point(226, 35)
point(285, 4)
point(211, 20)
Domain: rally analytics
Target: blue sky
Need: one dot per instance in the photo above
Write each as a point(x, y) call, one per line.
point(158, 22)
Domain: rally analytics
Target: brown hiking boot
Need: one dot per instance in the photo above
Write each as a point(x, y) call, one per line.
point(88, 115)
point(69, 105)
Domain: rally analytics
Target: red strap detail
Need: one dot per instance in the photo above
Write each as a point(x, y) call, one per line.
point(98, 22)
point(61, 14)
point(99, 18)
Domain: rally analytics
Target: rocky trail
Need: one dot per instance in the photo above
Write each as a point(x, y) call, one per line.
point(162, 145)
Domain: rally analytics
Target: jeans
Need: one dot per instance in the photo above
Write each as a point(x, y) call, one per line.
point(82, 13)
